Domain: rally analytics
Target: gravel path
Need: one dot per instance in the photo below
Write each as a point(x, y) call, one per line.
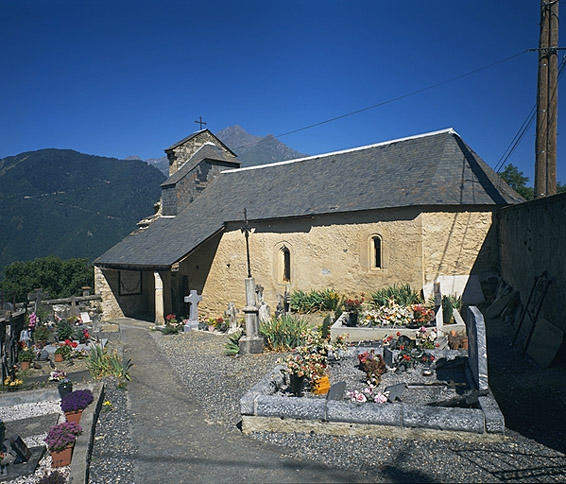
point(220, 381)
point(113, 448)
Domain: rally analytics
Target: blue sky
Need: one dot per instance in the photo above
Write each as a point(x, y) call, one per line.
point(121, 78)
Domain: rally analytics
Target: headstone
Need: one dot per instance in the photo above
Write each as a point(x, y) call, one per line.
point(232, 316)
point(74, 311)
point(43, 355)
point(500, 304)
point(395, 392)
point(258, 295)
point(336, 391)
point(252, 342)
point(438, 308)
point(21, 449)
point(477, 348)
point(193, 299)
point(85, 318)
point(545, 342)
point(264, 313)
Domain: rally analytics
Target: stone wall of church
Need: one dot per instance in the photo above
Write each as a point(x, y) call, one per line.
point(329, 251)
point(457, 242)
point(179, 155)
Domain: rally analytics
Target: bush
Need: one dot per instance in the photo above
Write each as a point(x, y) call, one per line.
point(284, 333)
point(307, 302)
point(26, 355)
point(60, 278)
point(64, 330)
point(402, 295)
point(41, 333)
point(101, 364)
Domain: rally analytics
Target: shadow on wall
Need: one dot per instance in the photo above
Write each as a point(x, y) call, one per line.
point(134, 297)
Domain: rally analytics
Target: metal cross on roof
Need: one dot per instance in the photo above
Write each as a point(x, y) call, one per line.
point(200, 122)
point(246, 229)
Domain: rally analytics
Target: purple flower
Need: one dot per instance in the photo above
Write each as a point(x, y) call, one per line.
point(62, 435)
point(76, 400)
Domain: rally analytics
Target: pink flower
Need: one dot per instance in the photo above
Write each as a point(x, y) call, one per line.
point(361, 398)
point(380, 398)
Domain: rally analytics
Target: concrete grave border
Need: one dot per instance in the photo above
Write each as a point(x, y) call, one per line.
point(262, 410)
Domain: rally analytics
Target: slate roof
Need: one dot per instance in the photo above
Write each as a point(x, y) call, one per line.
point(426, 170)
point(208, 151)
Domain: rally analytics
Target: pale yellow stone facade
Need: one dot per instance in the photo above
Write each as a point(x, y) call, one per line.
point(326, 251)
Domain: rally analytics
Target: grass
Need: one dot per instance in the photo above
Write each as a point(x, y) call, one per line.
point(402, 295)
point(284, 333)
point(101, 363)
point(321, 300)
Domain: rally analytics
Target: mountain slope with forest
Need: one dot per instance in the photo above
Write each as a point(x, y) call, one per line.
point(70, 204)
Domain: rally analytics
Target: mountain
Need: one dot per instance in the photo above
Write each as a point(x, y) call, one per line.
point(69, 204)
point(255, 150)
point(162, 164)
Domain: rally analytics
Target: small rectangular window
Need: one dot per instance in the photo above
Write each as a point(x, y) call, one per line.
point(377, 252)
point(286, 265)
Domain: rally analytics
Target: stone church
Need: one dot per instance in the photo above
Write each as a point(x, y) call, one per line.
point(402, 211)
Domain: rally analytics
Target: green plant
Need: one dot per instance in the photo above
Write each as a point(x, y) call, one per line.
point(64, 330)
point(325, 328)
point(402, 295)
point(41, 333)
point(284, 333)
point(170, 329)
point(26, 355)
point(316, 300)
point(101, 364)
point(65, 351)
point(449, 303)
point(232, 346)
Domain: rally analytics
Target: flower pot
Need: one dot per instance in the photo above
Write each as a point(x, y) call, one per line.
point(24, 365)
point(352, 319)
point(297, 384)
point(321, 385)
point(58, 357)
point(61, 457)
point(74, 417)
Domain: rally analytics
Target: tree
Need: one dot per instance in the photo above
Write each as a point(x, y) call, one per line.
point(517, 181)
point(58, 277)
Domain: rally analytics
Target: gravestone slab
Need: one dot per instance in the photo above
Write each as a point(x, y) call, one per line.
point(85, 318)
point(395, 392)
point(28, 427)
point(545, 342)
point(15, 471)
point(477, 348)
point(336, 391)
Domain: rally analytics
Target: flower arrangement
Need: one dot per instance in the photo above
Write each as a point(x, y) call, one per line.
point(392, 315)
point(373, 365)
point(57, 375)
point(12, 382)
point(421, 314)
point(368, 394)
point(426, 340)
point(32, 321)
point(70, 343)
point(77, 400)
point(353, 305)
point(66, 351)
point(62, 435)
point(172, 325)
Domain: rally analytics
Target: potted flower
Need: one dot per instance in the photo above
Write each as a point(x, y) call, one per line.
point(63, 353)
point(353, 308)
point(60, 441)
point(12, 383)
point(298, 369)
point(25, 357)
point(41, 335)
point(74, 403)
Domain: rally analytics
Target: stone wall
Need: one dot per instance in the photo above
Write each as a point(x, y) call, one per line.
point(114, 305)
point(331, 251)
point(532, 239)
point(458, 243)
point(180, 154)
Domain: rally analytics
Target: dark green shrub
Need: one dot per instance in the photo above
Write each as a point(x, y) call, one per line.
point(41, 333)
point(284, 333)
point(402, 295)
point(64, 330)
point(307, 302)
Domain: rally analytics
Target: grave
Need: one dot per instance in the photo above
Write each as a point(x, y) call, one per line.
point(454, 399)
point(193, 299)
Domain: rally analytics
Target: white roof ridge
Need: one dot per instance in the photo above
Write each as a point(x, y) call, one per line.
point(349, 150)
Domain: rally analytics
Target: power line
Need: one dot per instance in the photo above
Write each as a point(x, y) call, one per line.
point(403, 96)
point(524, 127)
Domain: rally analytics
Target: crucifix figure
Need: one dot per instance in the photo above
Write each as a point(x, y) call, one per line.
point(246, 229)
point(200, 122)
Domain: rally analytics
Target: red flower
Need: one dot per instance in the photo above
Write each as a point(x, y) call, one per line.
point(402, 347)
point(398, 333)
point(406, 357)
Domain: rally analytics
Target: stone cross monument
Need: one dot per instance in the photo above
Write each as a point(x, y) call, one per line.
point(193, 299)
point(253, 341)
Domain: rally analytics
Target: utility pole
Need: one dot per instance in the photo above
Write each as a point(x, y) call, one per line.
point(547, 100)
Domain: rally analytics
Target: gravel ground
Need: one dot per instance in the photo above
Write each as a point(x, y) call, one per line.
point(113, 448)
point(219, 382)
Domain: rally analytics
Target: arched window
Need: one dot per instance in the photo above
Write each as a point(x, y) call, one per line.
point(376, 254)
point(286, 264)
